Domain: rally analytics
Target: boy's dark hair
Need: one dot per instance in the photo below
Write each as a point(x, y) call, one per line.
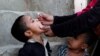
point(90, 38)
point(18, 29)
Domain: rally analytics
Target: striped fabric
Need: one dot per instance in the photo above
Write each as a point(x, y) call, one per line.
point(63, 51)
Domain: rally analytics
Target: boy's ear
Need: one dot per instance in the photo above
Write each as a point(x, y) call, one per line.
point(84, 46)
point(28, 33)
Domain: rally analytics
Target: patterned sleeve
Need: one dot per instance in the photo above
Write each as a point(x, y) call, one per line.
point(62, 50)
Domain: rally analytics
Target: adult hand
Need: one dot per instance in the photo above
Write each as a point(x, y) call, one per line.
point(48, 31)
point(45, 19)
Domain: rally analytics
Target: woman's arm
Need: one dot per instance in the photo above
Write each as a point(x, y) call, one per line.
point(79, 24)
point(61, 19)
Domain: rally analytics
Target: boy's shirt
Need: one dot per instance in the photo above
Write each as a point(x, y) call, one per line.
point(33, 48)
point(63, 51)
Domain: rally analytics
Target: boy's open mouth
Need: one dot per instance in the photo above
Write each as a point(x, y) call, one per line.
point(41, 26)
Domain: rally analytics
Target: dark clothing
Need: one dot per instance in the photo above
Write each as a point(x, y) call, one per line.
point(62, 19)
point(79, 24)
point(34, 49)
point(96, 51)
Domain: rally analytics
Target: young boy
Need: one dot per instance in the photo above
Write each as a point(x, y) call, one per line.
point(78, 46)
point(28, 30)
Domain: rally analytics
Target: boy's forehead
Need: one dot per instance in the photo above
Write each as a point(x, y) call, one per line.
point(34, 15)
point(26, 18)
point(29, 17)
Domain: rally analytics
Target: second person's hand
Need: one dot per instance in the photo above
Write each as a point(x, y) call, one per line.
point(48, 31)
point(45, 19)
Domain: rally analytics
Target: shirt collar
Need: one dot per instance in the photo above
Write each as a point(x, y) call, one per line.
point(33, 41)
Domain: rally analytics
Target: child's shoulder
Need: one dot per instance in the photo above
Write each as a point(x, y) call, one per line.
point(63, 46)
point(31, 49)
point(30, 46)
point(62, 49)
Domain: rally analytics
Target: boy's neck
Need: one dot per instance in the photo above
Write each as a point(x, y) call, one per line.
point(37, 38)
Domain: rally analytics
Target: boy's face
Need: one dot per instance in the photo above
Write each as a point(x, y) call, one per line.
point(76, 43)
point(33, 24)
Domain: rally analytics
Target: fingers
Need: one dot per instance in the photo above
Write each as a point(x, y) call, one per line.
point(40, 18)
point(46, 28)
point(46, 23)
point(48, 32)
point(45, 19)
point(43, 15)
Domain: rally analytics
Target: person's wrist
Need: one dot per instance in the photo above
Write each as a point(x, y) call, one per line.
point(52, 19)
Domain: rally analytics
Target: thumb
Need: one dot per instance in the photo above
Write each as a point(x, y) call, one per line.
point(46, 23)
point(40, 18)
point(46, 28)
